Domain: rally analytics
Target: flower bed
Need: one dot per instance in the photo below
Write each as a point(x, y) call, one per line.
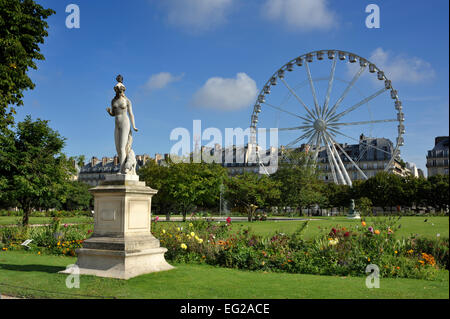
point(339, 251)
point(336, 251)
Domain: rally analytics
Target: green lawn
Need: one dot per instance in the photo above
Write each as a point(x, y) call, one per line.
point(12, 220)
point(409, 225)
point(35, 276)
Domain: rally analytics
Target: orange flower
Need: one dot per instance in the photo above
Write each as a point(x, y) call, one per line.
point(398, 267)
point(377, 232)
point(363, 223)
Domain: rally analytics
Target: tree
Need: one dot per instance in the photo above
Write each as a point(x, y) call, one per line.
point(80, 160)
point(76, 196)
point(338, 195)
point(439, 191)
point(185, 186)
point(252, 191)
point(32, 165)
point(22, 29)
point(299, 184)
point(384, 189)
point(213, 176)
point(157, 177)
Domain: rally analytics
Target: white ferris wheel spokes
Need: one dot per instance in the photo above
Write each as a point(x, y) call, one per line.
point(320, 125)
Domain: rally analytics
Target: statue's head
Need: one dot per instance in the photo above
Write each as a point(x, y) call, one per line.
point(119, 88)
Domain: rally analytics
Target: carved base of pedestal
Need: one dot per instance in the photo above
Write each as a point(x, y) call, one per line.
point(354, 216)
point(120, 264)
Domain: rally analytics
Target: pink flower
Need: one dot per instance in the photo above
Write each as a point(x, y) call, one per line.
point(156, 218)
point(229, 220)
point(65, 225)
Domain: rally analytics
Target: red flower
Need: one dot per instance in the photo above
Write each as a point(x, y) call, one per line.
point(229, 220)
point(333, 230)
point(346, 234)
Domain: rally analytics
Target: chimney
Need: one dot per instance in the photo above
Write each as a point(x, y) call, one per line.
point(94, 161)
point(438, 139)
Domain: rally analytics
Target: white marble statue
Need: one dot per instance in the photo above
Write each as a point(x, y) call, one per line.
point(120, 106)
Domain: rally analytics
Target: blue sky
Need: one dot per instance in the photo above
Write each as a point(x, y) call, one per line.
point(169, 51)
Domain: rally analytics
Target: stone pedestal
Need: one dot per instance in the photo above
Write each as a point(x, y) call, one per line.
point(122, 245)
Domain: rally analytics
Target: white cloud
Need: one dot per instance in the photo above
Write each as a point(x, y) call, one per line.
point(226, 94)
point(303, 15)
point(400, 68)
point(161, 80)
point(198, 15)
point(397, 68)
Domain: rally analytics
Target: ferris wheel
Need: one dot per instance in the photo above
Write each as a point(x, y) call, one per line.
point(324, 113)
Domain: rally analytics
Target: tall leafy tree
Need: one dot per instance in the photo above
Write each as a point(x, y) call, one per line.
point(76, 196)
point(299, 183)
point(157, 177)
point(439, 191)
point(22, 29)
point(32, 166)
point(384, 189)
point(251, 191)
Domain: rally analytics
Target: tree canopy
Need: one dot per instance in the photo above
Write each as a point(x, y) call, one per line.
point(22, 29)
point(33, 169)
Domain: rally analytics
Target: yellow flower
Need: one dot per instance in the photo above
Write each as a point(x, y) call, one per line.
point(333, 242)
point(368, 259)
point(377, 232)
point(58, 243)
point(200, 240)
point(183, 246)
point(263, 263)
point(163, 231)
point(396, 252)
point(192, 234)
point(39, 253)
point(190, 225)
point(178, 228)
